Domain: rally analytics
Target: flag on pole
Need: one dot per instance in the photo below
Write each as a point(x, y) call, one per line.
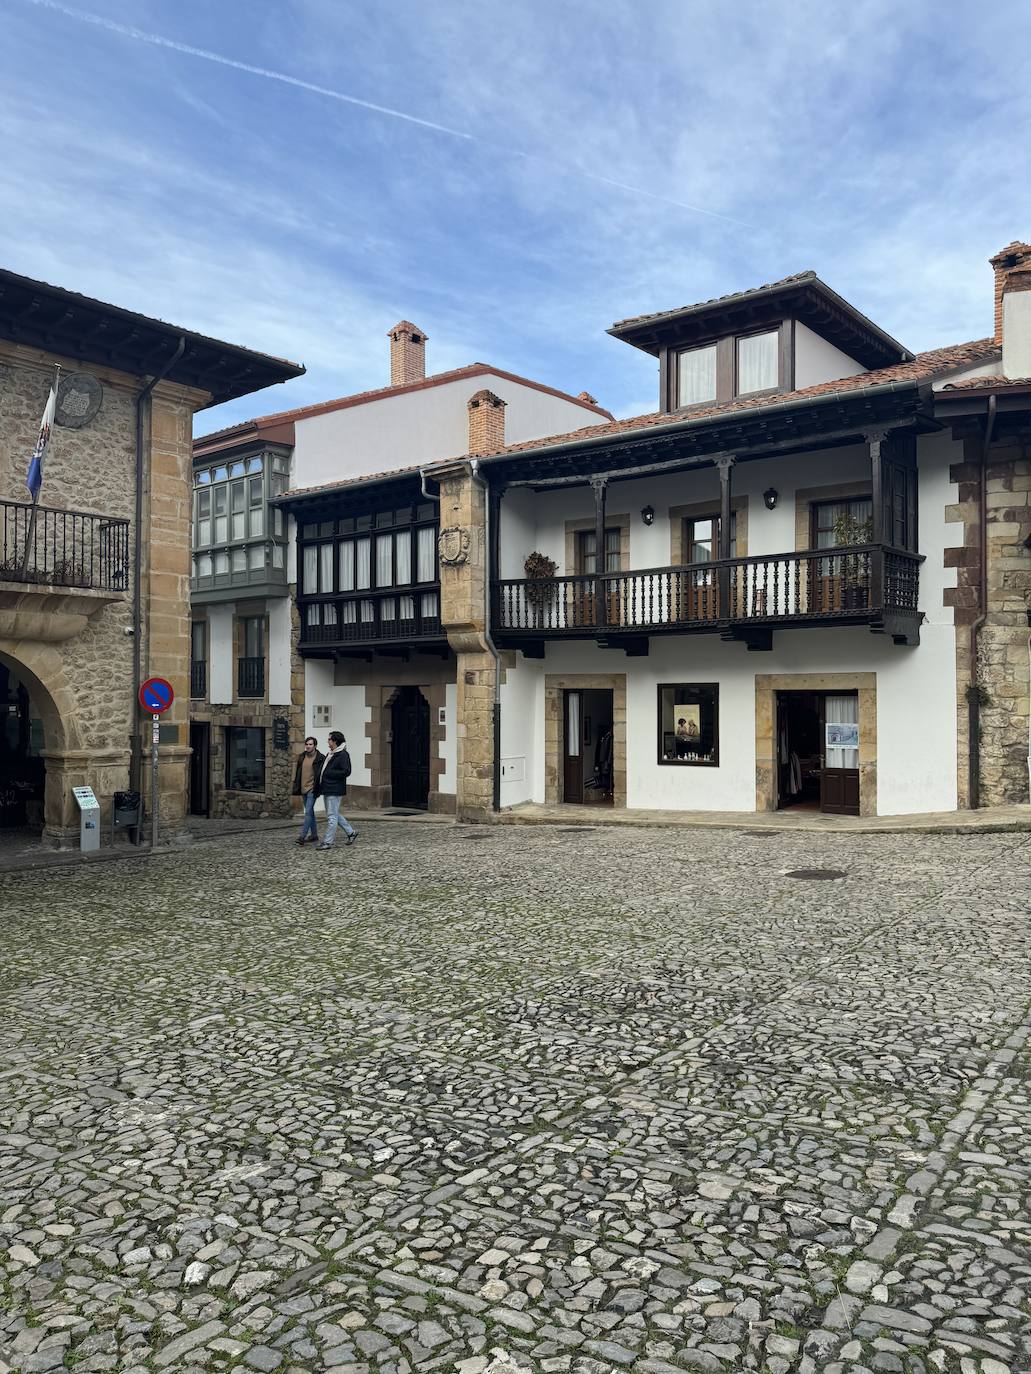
point(35, 478)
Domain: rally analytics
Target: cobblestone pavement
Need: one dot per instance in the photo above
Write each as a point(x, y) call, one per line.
point(512, 1099)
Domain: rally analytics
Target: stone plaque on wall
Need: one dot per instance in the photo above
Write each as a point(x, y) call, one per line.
point(280, 732)
point(79, 398)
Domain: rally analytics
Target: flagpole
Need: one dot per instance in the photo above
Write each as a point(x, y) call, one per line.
point(30, 537)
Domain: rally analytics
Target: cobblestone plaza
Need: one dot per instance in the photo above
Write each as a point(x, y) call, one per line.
point(496, 1099)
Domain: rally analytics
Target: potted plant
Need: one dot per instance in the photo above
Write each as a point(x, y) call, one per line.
point(540, 583)
point(849, 531)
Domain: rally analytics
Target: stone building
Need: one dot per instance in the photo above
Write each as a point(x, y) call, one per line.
point(87, 609)
point(319, 608)
point(802, 582)
point(991, 415)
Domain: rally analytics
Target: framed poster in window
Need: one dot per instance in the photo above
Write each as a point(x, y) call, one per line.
point(688, 724)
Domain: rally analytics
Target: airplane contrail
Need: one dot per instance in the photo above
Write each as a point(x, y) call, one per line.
point(188, 49)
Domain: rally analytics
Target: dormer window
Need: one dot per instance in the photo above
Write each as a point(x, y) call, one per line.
point(742, 365)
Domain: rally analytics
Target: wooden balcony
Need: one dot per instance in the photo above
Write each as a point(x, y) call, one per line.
point(389, 621)
point(739, 598)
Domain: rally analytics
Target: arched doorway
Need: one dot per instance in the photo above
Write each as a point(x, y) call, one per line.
point(22, 766)
point(410, 750)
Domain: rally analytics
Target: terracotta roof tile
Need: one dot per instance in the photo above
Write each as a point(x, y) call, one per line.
point(733, 296)
point(985, 383)
point(921, 368)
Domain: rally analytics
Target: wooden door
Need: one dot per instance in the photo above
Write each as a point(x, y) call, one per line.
point(410, 750)
point(839, 777)
point(572, 747)
point(200, 768)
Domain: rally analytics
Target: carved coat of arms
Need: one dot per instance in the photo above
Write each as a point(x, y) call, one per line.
point(453, 545)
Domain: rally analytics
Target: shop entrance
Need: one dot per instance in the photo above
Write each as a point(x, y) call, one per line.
point(587, 746)
point(200, 768)
point(410, 749)
point(818, 751)
point(22, 770)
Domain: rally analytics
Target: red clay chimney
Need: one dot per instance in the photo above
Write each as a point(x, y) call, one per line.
point(407, 353)
point(1014, 256)
point(486, 422)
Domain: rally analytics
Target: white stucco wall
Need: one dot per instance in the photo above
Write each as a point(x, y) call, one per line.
point(522, 699)
point(279, 650)
point(448, 781)
point(348, 714)
point(817, 361)
point(220, 654)
point(420, 426)
point(916, 686)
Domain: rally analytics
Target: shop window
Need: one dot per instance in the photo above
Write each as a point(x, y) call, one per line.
point(245, 758)
point(689, 724)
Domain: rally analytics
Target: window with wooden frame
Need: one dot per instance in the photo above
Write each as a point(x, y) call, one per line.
point(698, 594)
point(587, 552)
point(841, 583)
point(750, 364)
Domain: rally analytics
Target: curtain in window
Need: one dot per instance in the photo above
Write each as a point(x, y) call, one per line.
point(573, 724)
point(757, 363)
point(346, 565)
point(424, 561)
point(407, 607)
point(311, 569)
point(697, 376)
point(368, 610)
point(428, 606)
point(843, 710)
point(387, 607)
point(403, 558)
point(363, 563)
point(326, 567)
point(384, 560)
point(350, 612)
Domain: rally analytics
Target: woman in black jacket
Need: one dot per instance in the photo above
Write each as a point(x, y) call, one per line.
point(332, 785)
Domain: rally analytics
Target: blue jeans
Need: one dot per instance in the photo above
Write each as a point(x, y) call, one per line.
point(308, 826)
point(334, 818)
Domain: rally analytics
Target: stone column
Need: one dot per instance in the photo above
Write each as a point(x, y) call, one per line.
point(463, 581)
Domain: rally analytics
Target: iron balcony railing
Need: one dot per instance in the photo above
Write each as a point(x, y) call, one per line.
point(250, 677)
point(65, 548)
point(373, 617)
point(198, 678)
point(815, 585)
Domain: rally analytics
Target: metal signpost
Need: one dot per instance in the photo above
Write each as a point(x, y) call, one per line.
point(156, 696)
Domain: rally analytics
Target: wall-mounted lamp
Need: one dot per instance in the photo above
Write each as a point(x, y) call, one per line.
point(770, 497)
point(648, 515)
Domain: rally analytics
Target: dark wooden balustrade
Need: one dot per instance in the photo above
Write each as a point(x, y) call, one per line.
point(816, 585)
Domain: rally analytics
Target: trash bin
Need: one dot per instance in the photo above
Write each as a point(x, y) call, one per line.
point(89, 819)
point(125, 812)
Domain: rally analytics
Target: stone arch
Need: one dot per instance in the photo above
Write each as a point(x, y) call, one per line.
point(40, 668)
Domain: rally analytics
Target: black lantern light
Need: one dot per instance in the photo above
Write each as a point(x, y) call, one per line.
point(648, 515)
point(770, 497)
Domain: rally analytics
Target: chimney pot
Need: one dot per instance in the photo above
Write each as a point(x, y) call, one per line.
point(586, 396)
point(407, 353)
point(1016, 323)
point(486, 422)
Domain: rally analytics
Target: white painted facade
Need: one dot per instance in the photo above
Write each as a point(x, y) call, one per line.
point(402, 430)
point(383, 433)
point(916, 759)
point(817, 360)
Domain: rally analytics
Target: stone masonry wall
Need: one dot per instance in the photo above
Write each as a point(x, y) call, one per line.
point(88, 678)
point(1003, 661)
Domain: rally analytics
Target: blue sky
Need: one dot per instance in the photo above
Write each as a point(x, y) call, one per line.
point(882, 145)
